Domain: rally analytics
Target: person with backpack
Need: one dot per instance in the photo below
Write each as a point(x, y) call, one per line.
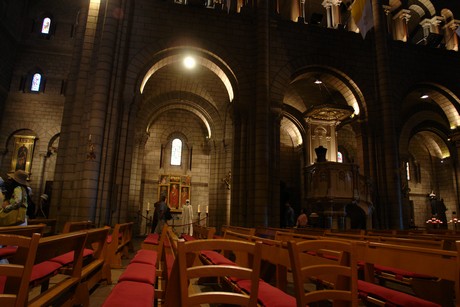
point(160, 213)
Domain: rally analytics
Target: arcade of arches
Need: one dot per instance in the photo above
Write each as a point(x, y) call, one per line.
point(263, 92)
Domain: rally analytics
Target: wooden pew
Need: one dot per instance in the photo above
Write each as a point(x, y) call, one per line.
point(185, 269)
point(72, 226)
point(118, 244)
point(14, 277)
point(167, 253)
point(243, 230)
point(26, 231)
point(95, 267)
point(422, 261)
point(201, 232)
point(50, 228)
point(329, 262)
point(62, 292)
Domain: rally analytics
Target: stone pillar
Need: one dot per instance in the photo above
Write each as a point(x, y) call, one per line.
point(387, 154)
point(400, 21)
point(333, 12)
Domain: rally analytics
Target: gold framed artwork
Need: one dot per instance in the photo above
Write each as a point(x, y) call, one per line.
point(22, 153)
point(176, 188)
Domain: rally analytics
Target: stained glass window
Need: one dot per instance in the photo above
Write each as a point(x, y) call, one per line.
point(407, 170)
point(46, 25)
point(176, 152)
point(339, 157)
point(36, 80)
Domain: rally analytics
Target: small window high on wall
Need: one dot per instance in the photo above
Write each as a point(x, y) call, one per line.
point(36, 82)
point(339, 157)
point(176, 152)
point(46, 25)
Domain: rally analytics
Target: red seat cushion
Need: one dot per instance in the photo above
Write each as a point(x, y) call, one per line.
point(216, 258)
point(139, 272)
point(391, 296)
point(130, 293)
point(145, 256)
point(109, 239)
point(43, 269)
point(269, 296)
point(67, 258)
point(152, 238)
point(7, 251)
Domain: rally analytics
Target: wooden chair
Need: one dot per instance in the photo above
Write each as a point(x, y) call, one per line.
point(329, 263)
point(188, 268)
point(14, 277)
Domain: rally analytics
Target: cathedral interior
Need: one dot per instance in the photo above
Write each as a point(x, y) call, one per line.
point(238, 106)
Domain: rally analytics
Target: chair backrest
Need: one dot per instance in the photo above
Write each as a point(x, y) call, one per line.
point(16, 273)
point(331, 263)
point(187, 253)
point(72, 226)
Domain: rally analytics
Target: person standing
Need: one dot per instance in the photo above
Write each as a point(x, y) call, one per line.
point(302, 220)
point(16, 196)
point(289, 215)
point(160, 210)
point(187, 218)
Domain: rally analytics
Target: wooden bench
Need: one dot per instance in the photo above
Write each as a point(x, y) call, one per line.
point(148, 269)
point(406, 259)
point(201, 232)
point(50, 228)
point(72, 226)
point(186, 268)
point(274, 253)
point(118, 244)
point(243, 230)
point(14, 277)
point(63, 291)
point(27, 231)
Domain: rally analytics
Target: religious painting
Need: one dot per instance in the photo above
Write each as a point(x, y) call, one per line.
point(22, 153)
point(174, 196)
point(176, 189)
point(186, 180)
point(164, 179)
point(163, 190)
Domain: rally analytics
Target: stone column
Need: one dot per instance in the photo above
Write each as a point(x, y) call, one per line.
point(387, 154)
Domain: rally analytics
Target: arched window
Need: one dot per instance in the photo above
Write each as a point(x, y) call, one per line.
point(176, 152)
point(408, 171)
point(46, 25)
point(36, 81)
point(339, 157)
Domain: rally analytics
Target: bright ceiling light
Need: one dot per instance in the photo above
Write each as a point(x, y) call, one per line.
point(189, 62)
point(318, 81)
point(424, 96)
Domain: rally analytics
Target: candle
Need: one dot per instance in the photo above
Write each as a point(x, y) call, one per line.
point(89, 138)
point(148, 206)
point(206, 209)
point(199, 209)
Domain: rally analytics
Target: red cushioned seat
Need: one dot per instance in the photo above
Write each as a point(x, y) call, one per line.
point(187, 237)
point(145, 256)
point(152, 238)
point(130, 293)
point(400, 274)
point(390, 296)
point(67, 258)
point(43, 269)
point(269, 296)
point(139, 272)
point(7, 251)
point(216, 258)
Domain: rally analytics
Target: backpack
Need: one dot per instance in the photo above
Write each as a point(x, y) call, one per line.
point(168, 215)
